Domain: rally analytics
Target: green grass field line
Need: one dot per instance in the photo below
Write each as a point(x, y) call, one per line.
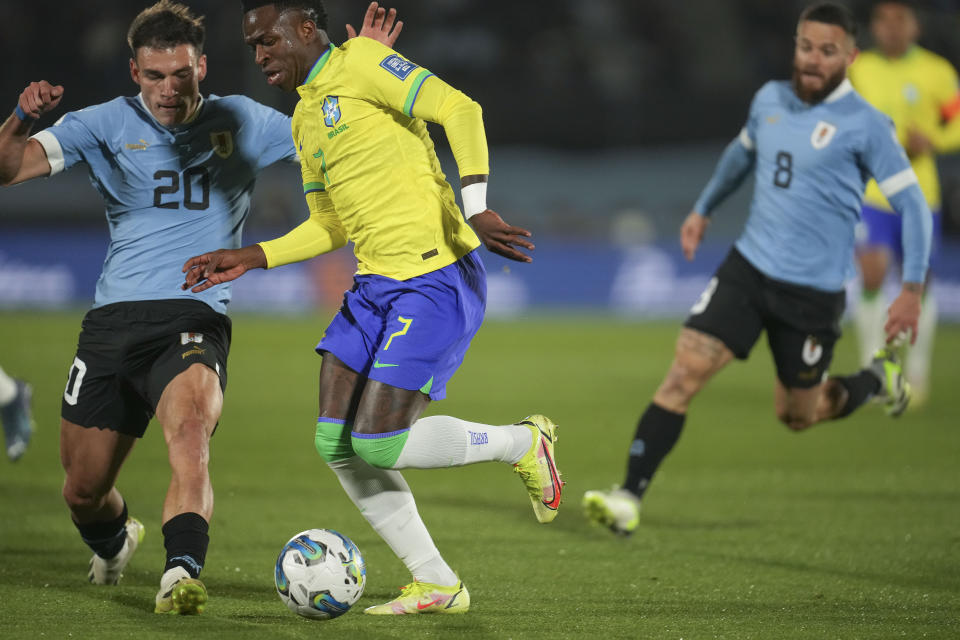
point(851, 530)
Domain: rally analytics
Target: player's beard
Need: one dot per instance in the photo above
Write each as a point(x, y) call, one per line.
point(814, 97)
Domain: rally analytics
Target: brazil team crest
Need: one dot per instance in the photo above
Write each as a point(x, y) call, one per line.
point(331, 111)
point(222, 142)
point(822, 134)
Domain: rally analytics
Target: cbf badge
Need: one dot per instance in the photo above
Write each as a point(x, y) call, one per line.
point(822, 134)
point(331, 111)
point(222, 142)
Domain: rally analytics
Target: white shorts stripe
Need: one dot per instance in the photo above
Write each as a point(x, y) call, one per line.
point(53, 149)
point(898, 182)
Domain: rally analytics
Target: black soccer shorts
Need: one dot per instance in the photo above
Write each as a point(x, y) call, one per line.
point(129, 351)
point(802, 323)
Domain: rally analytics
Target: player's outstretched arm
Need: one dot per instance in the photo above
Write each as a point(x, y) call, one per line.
point(495, 234)
point(500, 237)
point(904, 313)
point(378, 24)
point(20, 158)
point(223, 265)
point(691, 233)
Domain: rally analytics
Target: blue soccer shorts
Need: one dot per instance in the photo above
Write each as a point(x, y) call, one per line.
point(884, 229)
point(410, 334)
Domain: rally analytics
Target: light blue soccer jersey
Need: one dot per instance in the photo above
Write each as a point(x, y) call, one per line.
point(170, 194)
point(811, 165)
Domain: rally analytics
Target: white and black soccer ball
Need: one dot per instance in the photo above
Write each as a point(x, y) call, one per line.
point(320, 574)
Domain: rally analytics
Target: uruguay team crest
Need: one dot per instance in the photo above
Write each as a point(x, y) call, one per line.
point(812, 351)
point(822, 134)
point(331, 111)
point(222, 142)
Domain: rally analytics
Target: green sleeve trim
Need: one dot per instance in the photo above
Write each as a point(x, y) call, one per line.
point(310, 187)
point(415, 91)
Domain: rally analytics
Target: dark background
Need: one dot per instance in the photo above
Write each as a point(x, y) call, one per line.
point(591, 81)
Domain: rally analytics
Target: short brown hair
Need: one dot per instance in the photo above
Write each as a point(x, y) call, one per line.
point(164, 25)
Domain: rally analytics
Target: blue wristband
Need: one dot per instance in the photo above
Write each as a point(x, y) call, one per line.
point(20, 113)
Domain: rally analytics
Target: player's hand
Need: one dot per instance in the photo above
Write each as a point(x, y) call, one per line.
point(691, 233)
point(904, 313)
point(918, 144)
point(39, 98)
point(222, 265)
point(501, 238)
point(378, 24)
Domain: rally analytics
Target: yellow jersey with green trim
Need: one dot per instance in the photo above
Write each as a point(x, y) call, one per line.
point(370, 171)
point(919, 91)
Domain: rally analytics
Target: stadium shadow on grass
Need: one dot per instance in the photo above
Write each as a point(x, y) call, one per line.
point(951, 584)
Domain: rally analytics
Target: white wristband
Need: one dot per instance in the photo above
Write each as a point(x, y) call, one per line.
point(474, 199)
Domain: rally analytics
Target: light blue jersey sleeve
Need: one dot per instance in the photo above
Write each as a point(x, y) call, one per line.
point(274, 137)
point(75, 137)
point(886, 161)
point(735, 165)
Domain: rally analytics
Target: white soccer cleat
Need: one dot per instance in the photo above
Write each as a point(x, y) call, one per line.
point(110, 570)
point(616, 509)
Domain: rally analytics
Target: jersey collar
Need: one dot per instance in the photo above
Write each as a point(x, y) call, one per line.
point(318, 65)
point(842, 89)
point(193, 116)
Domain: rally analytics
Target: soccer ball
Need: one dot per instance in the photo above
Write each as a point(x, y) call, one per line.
point(320, 574)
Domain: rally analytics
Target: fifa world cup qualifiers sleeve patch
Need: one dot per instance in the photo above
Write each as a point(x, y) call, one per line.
point(397, 66)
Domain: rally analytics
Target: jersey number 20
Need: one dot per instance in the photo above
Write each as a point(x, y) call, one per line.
point(192, 178)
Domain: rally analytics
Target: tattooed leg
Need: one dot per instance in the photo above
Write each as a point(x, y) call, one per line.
point(698, 357)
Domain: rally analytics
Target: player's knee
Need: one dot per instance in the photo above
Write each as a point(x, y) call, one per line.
point(333, 441)
point(188, 444)
point(381, 451)
point(82, 498)
point(794, 420)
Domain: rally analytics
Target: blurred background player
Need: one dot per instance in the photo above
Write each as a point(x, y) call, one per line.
point(176, 171)
point(371, 176)
point(15, 414)
point(918, 90)
point(808, 143)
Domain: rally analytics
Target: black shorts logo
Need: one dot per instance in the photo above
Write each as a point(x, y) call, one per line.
point(812, 351)
point(196, 351)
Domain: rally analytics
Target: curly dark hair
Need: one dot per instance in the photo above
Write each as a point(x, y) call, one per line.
point(314, 9)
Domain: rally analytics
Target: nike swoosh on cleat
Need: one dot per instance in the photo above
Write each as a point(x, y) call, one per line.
point(429, 604)
point(555, 480)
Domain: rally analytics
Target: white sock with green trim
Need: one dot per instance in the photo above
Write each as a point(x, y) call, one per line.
point(869, 317)
point(8, 389)
point(384, 499)
point(444, 441)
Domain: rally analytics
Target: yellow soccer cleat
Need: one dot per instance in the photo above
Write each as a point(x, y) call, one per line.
point(423, 597)
point(538, 469)
point(180, 594)
point(110, 570)
point(616, 509)
point(894, 391)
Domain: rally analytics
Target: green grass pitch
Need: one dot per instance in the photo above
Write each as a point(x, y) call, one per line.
point(851, 530)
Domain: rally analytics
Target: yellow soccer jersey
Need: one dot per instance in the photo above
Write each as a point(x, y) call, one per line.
point(918, 91)
point(370, 172)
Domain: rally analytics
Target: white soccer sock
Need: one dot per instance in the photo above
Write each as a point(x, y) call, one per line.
point(385, 500)
point(921, 353)
point(869, 318)
point(8, 389)
point(444, 441)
